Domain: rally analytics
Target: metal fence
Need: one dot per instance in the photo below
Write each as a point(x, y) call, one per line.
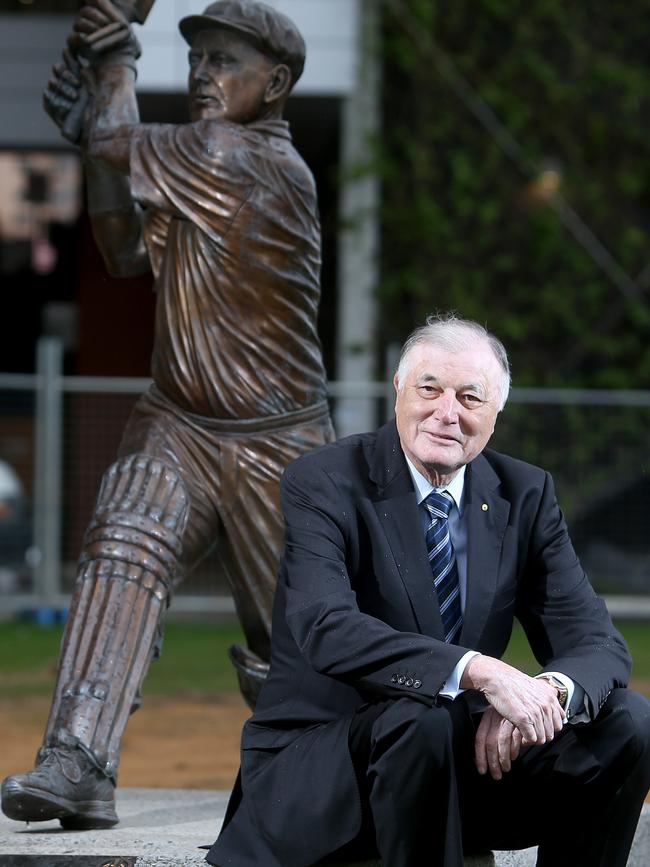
point(60, 433)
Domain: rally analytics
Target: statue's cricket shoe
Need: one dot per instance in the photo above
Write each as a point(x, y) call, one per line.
point(64, 785)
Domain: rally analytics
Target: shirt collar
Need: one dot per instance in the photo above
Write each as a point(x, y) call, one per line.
point(423, 486)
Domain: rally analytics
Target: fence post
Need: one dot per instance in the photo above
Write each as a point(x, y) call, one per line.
point(47, 476)
point(359, 234)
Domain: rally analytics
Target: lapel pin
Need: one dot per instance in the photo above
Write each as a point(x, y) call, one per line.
point(484, 507)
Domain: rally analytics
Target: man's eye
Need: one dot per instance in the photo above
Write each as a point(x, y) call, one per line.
point(427, 390)
point(471, 399)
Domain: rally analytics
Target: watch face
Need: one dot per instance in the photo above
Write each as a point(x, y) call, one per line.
point(562, 691)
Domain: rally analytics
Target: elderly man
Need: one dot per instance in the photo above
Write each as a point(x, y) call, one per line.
point(224, 212)
point(388, 725)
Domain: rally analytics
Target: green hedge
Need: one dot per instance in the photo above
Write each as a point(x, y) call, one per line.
point(466, 227)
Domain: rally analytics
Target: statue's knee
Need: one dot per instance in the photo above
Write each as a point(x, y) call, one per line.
point(138, 522)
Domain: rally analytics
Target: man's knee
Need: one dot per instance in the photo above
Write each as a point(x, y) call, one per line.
point(619, 739)
point(413, 727)
point(630, 713)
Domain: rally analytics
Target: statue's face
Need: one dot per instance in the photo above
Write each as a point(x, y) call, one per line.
point(228, 78)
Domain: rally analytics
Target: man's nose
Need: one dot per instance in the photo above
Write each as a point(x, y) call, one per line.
point(446, 407)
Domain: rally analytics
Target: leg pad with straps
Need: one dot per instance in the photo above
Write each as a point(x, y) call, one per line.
point(126, 572)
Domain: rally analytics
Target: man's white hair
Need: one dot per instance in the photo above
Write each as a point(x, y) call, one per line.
point(454, 334)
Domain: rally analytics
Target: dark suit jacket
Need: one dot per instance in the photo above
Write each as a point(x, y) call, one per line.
point(356, 619)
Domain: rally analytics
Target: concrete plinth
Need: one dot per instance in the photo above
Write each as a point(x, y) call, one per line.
point(165, 827)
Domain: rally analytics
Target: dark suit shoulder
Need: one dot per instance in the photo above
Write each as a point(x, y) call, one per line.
point(507, 467)
point(337, 457)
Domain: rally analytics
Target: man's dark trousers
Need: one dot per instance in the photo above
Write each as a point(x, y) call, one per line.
point(578, 798)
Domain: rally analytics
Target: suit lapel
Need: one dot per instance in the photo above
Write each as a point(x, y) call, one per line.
point(397, 511)
point(486, 513)
point(487, 518)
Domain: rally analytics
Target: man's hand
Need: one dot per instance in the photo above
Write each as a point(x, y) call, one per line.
point(496, 745)
point(101, 29)
point(528, 703)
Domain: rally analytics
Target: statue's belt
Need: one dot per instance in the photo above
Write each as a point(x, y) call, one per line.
point(242, 426)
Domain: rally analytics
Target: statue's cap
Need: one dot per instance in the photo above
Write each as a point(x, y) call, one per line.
point(269, 30)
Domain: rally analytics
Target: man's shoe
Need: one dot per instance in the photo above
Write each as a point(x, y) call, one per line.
point(65, 785)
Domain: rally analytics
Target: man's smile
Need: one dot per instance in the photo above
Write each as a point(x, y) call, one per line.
point(441, 436)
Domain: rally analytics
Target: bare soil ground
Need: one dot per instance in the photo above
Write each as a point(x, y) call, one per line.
point(188, 743)
point(184, 743)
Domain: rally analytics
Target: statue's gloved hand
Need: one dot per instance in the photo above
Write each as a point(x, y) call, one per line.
point(102, 31)
point(65, 97)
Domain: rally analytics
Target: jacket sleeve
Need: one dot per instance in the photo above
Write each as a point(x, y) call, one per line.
point(337, 638)
point(567, 624)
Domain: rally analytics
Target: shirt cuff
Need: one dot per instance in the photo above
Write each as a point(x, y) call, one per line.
point(451, 687)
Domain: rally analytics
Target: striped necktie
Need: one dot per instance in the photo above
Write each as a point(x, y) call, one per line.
point(443, 563)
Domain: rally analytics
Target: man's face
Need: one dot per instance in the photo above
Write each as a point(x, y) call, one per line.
point(447, 407)
point(228, 78)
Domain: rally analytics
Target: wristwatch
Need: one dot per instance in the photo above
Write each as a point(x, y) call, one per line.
point(562, 691)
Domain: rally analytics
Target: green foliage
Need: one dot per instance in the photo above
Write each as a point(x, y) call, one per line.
point(467, 227)
point(587, 449)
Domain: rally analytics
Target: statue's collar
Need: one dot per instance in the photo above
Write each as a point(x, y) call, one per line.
point(271, 127)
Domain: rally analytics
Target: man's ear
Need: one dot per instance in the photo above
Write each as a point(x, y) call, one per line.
point(396, 387)
point(279, 84)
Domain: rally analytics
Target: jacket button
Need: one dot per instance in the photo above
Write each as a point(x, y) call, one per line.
point(401, 679)
point(417, 684)
point(409, 681)
point(394, 679)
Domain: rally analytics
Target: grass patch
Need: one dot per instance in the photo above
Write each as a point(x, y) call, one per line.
point(195, 658)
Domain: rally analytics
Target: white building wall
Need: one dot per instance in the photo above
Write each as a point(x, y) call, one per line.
point(329, 27)
point(358, 247)
point(30, 45)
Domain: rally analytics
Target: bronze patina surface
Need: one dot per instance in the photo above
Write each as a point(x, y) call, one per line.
point(223, 210)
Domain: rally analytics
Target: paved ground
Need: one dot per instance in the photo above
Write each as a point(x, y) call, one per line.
point(158, 826)
point(165, 827)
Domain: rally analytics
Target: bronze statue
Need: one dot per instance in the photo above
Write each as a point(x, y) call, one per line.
point(223, 210)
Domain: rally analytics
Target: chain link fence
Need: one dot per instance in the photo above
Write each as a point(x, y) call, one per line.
point(59, 434)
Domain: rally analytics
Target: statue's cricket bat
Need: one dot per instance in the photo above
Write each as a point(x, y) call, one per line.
point(135, 10)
